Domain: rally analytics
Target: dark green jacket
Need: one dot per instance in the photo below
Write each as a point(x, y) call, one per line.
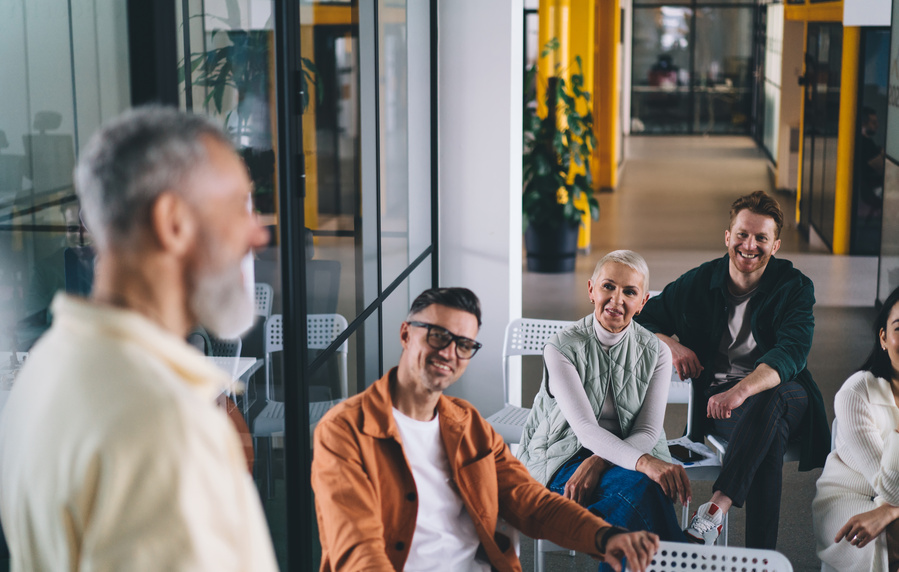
point(694, 308)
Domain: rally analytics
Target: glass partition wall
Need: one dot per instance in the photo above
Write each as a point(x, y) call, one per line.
point(692, 67)
point(352, 230)
point(332, 107)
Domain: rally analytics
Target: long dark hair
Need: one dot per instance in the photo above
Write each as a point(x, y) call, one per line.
point(878, 361)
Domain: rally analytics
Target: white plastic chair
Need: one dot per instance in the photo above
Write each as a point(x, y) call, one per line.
point(676, 556)
point(264, 296)
point(321, 331)
point(225, 347)
point(524, 337)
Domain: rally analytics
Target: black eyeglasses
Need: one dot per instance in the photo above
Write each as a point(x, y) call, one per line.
point(438, 338)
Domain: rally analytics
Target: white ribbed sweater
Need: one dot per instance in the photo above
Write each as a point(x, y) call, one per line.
point(861, 474)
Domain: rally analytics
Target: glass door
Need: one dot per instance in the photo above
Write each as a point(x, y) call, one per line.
point(820, 126)
point(331, 106)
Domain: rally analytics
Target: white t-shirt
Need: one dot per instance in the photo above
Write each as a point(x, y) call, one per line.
point(445, 537)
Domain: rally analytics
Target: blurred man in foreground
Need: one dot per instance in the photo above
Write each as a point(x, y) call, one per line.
point(113, 455)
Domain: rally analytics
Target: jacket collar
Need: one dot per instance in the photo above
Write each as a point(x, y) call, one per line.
point(377, 410)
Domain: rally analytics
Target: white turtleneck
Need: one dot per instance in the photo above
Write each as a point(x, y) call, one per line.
point(603, 435)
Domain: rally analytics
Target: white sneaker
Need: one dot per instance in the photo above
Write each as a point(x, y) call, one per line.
point(705, 525)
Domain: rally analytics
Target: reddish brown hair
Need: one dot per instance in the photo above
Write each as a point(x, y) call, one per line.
point(759, 203)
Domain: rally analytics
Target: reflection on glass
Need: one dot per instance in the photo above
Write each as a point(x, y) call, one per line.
point(661, 70)
point(889, 240)
point(722, 60)
point(331, 127)
point(820, 124)
point(62, 76)
point(870, 142)
point(773, 61)
point(228, 74)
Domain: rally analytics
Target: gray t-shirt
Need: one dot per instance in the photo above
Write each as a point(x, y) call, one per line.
point(737, 351)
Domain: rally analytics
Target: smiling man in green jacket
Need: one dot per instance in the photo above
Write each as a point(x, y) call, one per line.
point(744, 326)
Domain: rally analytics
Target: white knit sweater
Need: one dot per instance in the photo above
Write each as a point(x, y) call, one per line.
point(861, 473)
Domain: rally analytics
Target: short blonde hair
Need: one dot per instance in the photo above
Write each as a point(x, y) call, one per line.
point(628, 258)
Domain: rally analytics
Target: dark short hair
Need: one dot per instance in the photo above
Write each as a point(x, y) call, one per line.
point(878, 361)
point(868, 112)
point(759, 203)
point(458, 298)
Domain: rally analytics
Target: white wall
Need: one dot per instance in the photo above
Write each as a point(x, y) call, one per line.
point(790, 104)
point(479, 113)
point(866, 12)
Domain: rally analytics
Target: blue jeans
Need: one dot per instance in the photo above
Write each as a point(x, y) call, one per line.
point(628, 499)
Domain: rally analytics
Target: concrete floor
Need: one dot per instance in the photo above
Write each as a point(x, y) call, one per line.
point(672, 206)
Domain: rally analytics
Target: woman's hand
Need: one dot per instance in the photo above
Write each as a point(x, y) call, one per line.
point(865, 527)
point(581, 484)
point(671, 477)
point(637, 547)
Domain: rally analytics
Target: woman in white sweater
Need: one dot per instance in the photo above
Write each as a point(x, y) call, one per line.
point(856, 508)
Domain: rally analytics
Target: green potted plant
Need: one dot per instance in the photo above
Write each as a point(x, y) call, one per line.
point(556, 168)
point(242, 60)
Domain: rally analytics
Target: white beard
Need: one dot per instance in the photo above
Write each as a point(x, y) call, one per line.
point(223, 302)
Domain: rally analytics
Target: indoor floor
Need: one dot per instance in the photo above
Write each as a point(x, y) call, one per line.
point(672, 207)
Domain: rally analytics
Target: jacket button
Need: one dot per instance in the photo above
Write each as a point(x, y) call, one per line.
point(400, 545)
point(410, 497)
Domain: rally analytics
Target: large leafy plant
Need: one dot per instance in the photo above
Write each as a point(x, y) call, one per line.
point(557, 149)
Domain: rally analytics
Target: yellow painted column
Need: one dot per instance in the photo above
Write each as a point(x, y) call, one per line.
point(580, 43)
point(842, 213)
point(548, 13)
point(605, 94)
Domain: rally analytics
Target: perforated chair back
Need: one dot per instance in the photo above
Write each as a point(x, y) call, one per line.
point(274, 342)
point(321, 331)
point(677, 556)
point(264, 296)
point(225, 347)
point(526, 337)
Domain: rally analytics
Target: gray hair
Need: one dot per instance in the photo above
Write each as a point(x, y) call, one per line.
point(131, 160)
point(628, 258)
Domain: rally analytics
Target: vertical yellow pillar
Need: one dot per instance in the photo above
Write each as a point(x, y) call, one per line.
point(842, 213)
point(581, 43)
point(605, 94)
point(571, 23)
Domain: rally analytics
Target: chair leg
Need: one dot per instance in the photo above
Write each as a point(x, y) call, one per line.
point(723, 537)
point(539, 565)
point(269, 468)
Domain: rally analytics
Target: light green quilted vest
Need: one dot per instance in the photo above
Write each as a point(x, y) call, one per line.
point(548, 440)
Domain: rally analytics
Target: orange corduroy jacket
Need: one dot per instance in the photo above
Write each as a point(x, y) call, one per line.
point(366, 500)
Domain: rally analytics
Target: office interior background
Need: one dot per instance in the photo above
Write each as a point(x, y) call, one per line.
point(384, 141)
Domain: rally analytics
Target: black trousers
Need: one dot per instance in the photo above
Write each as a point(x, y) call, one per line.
point(752, 472)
